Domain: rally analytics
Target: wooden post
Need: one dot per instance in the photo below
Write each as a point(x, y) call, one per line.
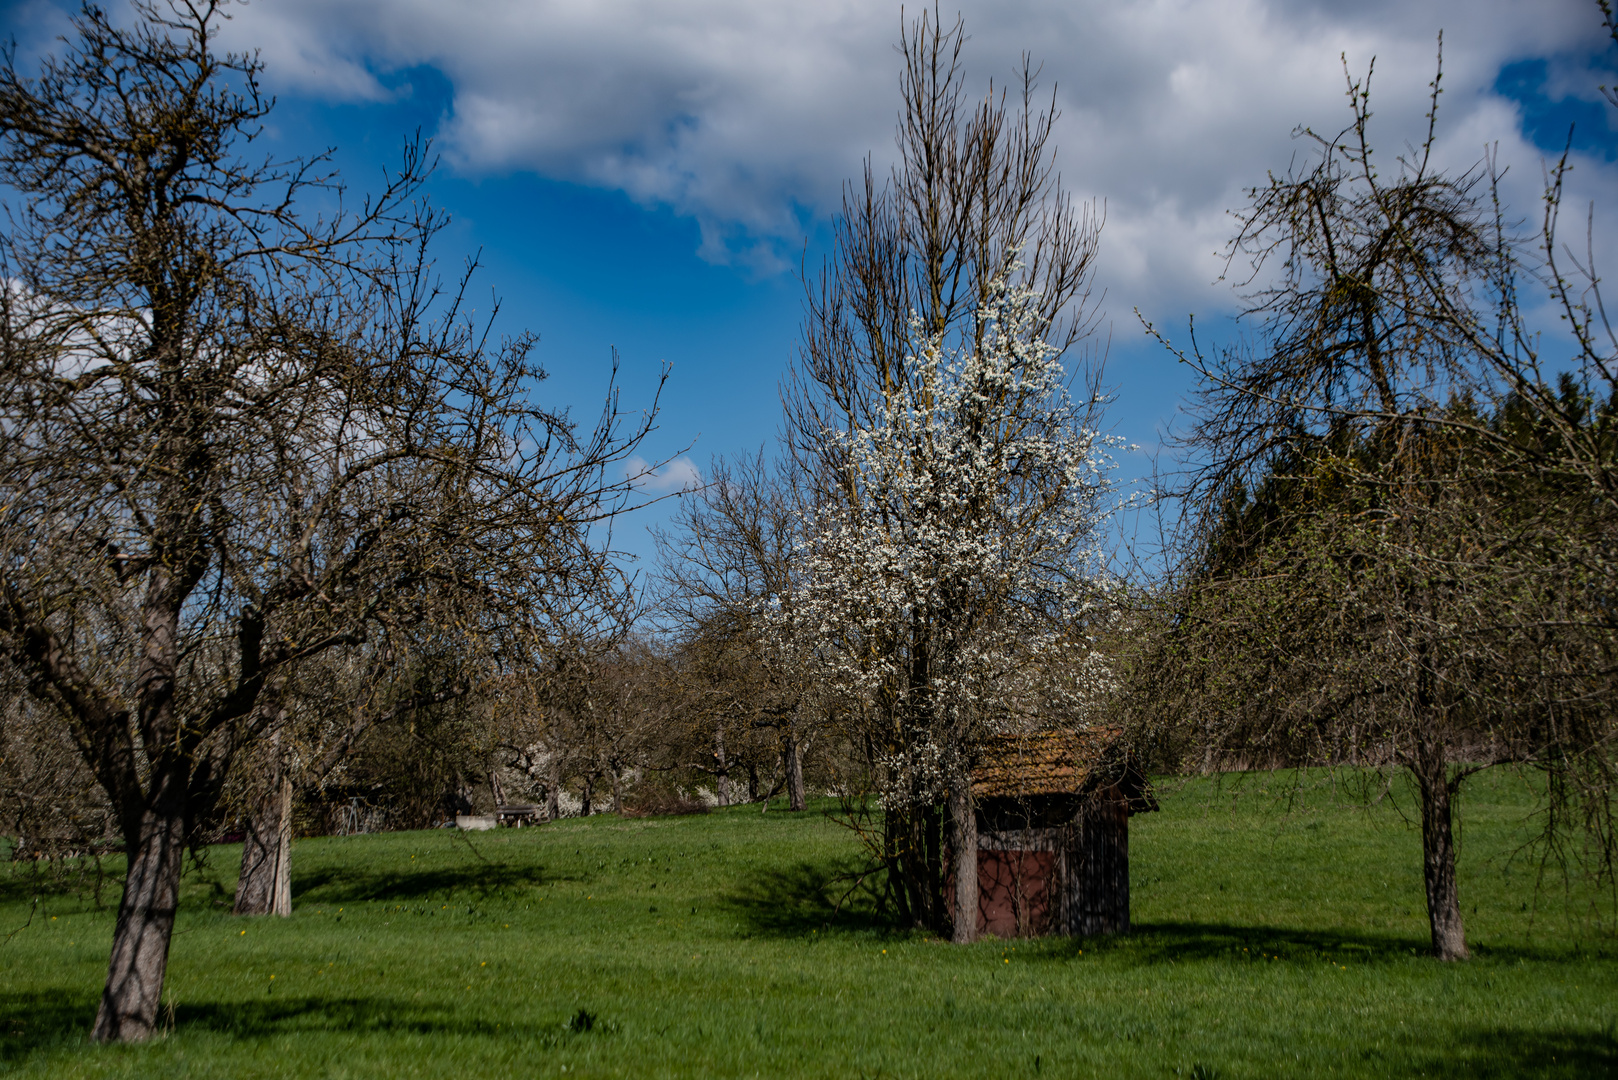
point(721, 767)
point(964, 847)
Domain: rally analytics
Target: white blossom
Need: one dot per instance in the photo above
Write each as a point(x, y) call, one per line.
point(949, 591)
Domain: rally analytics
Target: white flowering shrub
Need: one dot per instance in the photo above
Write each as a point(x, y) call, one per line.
point(704, 795)
point(950, 590)
point(568, 804)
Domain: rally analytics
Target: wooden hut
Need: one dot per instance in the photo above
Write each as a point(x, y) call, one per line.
point(1053, 813)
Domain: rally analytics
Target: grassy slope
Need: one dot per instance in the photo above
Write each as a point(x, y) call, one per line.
point(1270, 942)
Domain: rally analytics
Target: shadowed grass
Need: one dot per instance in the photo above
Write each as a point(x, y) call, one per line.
point(1279, 932)
point(340, 884)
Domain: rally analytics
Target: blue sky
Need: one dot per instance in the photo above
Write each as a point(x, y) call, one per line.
point(648, 174)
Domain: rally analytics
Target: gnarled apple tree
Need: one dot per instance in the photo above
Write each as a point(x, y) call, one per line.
point(235, 435)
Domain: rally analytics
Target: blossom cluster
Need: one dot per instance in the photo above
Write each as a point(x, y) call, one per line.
point(953, 589)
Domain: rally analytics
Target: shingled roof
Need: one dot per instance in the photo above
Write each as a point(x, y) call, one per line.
point(1041, 763)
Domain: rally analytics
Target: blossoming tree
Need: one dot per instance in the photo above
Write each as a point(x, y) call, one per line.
point(952, 594)
point(958, 489)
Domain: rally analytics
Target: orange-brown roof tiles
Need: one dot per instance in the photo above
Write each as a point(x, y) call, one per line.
point(1043, 763)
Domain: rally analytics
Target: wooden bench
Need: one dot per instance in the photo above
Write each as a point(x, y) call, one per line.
point(515, 814)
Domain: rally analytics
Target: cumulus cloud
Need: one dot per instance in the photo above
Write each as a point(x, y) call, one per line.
point(681, 474)
point(749, 116)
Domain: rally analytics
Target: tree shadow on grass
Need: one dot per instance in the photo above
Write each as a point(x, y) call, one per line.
point(81, 879)
point(53, 1020)
point(353, 1015)
point(352, 885)
point(796, 900)
point(1513, 1052)
point(1162, 942)
point(42, 1020)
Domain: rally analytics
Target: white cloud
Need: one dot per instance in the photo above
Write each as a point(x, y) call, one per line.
point(747, 115)
point(681, 474)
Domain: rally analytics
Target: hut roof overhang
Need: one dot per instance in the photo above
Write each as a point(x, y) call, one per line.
point(1068, 762)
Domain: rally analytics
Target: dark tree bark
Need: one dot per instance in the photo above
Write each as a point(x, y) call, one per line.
point(898, 885)
point(721, 767)
point(156, 816)
point(792, 759)
point(919, 867)
point(964, 850)
point(553, 792)
point(265, 885)
point(140, 940)
point(1438, 850)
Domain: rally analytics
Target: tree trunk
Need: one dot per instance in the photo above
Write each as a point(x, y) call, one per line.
point(140, 940)
point(617, 792)
point(265, 885)
point(964, 849)
point(752, 782)
point(895, 842)
point(921, 867)
point(553, 792)
point(496, 788)
point(721, 768)
point(584, 798)
point(933, 870)
point(906, 844)
point(1438, 851)
point(792, 757)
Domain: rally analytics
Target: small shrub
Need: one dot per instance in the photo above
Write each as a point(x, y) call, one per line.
point(664, 804)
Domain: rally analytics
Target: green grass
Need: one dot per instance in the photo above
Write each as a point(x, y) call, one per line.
point(1270, 941)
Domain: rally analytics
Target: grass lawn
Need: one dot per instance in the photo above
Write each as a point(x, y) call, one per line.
point(1270, 940)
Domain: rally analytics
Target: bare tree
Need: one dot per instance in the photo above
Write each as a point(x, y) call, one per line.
point(1402, 527)
point(436, 652)
point(235, 436)
point(730, 555)
point(597, 715)
point(49, 799)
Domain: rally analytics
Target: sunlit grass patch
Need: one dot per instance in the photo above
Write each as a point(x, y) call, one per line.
point(1268, 942)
